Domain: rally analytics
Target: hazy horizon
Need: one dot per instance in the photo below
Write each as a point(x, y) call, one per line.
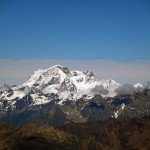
point(111, 38)
point(18, 71)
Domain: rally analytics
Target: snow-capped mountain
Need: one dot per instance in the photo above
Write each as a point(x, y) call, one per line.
point(59, 95)
point(68, 84)
point(60, 81)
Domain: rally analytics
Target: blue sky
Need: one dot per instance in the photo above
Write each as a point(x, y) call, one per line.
point(109, 37)
point(75, 29)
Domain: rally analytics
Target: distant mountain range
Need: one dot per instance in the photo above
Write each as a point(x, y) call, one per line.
point(57, 96)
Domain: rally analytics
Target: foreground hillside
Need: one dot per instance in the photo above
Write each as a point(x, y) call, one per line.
point(34, 137)
point(133, 134)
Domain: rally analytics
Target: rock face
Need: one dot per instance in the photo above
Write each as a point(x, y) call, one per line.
point(57, 96)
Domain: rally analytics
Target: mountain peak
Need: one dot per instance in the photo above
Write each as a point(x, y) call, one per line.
point(4, 87)
point(63, 68)
point(89, 73)
point(138, 85)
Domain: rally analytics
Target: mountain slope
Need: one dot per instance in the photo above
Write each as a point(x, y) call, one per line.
point(131, 134)
point(35, 137)
point(110, 134)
